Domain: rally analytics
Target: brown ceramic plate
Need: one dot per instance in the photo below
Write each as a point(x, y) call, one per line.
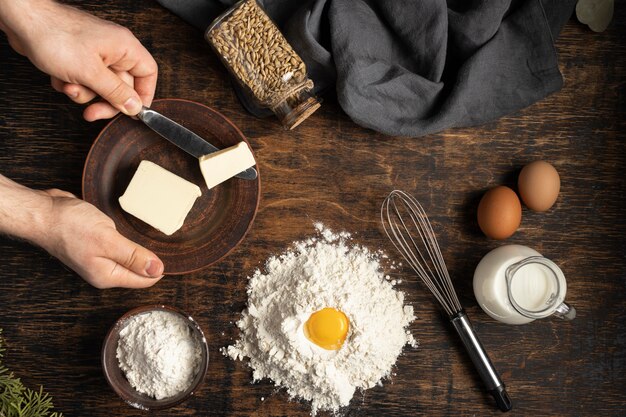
point(219, 219)
point(115, 376)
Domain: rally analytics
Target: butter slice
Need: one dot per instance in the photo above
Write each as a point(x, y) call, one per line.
point(219, 166)
point(158, 197)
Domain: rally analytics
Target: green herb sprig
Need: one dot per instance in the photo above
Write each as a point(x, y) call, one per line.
point(18, 401)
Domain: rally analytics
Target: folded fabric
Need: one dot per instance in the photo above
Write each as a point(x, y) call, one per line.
point(414, 67)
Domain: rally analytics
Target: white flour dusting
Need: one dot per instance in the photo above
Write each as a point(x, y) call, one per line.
point(315, 274)
point(159, 354)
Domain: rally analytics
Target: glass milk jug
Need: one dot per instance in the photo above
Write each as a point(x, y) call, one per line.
point(514, 284)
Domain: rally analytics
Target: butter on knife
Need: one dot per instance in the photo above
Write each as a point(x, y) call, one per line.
point(219, 166)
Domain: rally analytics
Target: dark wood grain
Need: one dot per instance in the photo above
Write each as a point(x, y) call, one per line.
point(220, 217)
point(331, 170)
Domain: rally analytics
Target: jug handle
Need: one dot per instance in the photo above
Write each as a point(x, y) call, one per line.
point(565, 312)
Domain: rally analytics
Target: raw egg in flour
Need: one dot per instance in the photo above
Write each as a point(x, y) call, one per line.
point(327, 328)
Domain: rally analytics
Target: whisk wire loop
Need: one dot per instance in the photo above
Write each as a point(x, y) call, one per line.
point(411, 252)
point(406, 224)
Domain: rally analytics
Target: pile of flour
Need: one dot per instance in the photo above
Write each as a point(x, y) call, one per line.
point(325, 271)
point(159, 354)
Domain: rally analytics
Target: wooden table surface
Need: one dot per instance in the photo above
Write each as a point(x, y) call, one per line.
point(333, 171)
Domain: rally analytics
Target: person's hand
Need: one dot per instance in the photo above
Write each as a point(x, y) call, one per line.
point(77, 233)
point(84, 55)
point(85, 239)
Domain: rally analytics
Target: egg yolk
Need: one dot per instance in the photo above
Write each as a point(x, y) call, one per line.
point(327, 328)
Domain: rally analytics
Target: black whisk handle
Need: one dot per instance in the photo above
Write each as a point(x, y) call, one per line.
point(481, 361)
point(502, 398)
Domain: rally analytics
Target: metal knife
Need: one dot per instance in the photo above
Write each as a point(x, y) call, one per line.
point(184, 138)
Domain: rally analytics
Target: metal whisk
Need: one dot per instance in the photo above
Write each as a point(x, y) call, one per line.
point(407, 226)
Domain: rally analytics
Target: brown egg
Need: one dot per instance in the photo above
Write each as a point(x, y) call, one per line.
point(499, 213)
point(539, 185)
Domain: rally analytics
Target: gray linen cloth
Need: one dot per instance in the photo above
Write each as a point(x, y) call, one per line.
point(414, 67)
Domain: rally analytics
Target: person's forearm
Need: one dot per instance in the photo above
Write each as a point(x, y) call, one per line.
point(23, 211)
point(19, 18)
point(18, 13)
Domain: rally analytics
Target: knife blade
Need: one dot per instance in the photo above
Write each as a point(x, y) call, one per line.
point(184, 138)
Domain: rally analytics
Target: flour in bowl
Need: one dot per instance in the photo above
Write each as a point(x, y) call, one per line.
point(317, 274)
point(159, 354)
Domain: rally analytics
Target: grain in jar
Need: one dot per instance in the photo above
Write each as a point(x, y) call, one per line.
point(263, 62)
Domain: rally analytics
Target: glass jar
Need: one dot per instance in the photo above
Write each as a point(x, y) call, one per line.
point(263, 62)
